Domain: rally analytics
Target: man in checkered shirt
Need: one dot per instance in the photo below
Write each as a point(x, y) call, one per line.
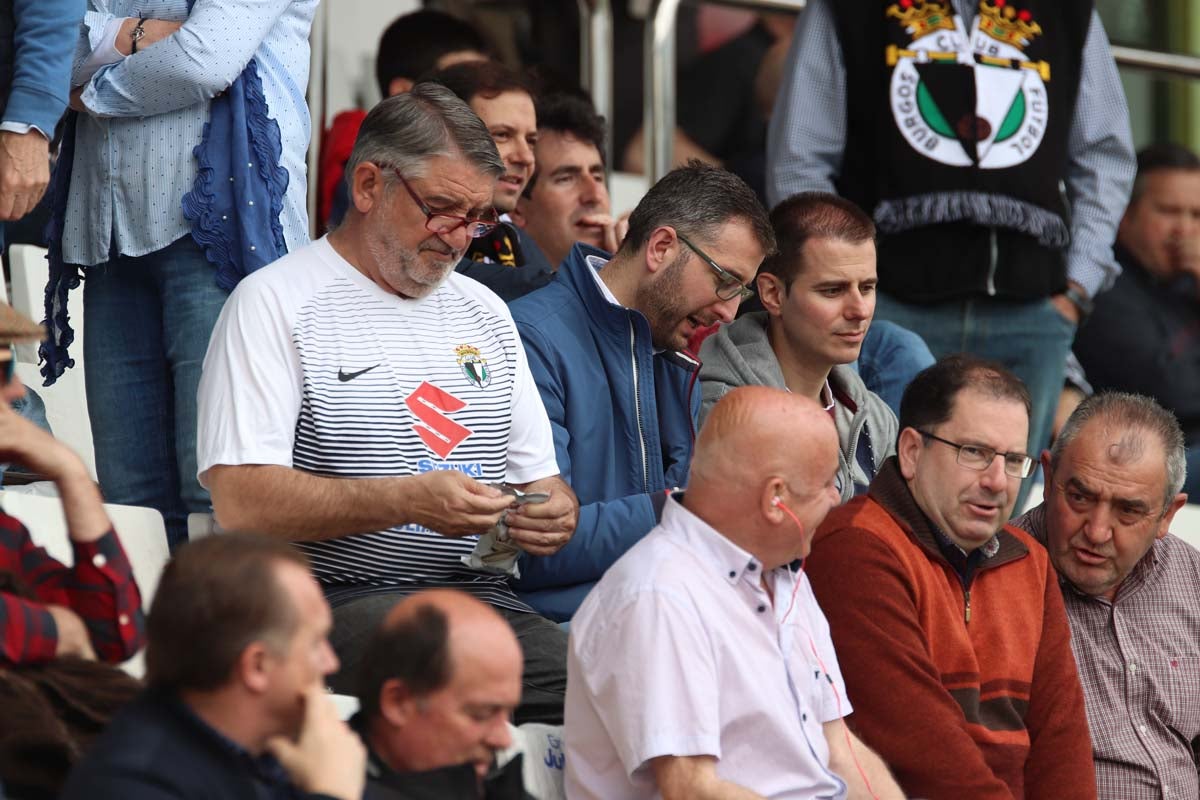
point(1132, 591)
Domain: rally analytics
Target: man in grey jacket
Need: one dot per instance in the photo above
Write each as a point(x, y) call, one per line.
point(818, 292)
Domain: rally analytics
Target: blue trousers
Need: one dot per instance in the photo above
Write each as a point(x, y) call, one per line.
point(890, 358)
point(1030, 338)
point(149, 319)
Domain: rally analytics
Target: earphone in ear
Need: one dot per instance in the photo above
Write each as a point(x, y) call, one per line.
point(775, 501)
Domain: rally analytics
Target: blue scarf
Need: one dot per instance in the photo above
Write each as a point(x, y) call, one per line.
point(234, 205)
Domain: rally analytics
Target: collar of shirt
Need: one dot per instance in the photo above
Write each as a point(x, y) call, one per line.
point(828, 401)
point(964, 563)
point(596, 263)
point(264, 768)
point(734, 564)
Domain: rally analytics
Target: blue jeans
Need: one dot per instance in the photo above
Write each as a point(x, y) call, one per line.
point(148, 323)
point(1031, 339)
point(890, 358)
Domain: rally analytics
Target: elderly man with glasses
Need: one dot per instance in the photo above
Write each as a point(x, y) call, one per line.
point(948, 622)
point(364, 401)
point(606, 343)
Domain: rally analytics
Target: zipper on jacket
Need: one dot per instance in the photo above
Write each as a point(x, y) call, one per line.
point(637, 405)
point(993, 258)
point(967, 606)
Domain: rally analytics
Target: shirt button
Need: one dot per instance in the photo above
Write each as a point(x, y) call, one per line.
point(1133, 668)
point(123, 619)
point(1142, 728)
point(804, 717)
point(99, 560)
point(762, 608)
point(732, 574)
point(752, 566)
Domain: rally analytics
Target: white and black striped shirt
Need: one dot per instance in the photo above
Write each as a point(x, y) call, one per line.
point(314, 366)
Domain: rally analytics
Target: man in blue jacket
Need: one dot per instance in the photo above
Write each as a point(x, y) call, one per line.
point(606, 344)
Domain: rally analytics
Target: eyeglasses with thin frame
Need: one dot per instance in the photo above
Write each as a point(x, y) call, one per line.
point(978, 457)
point(729, 285)
point(442, 223)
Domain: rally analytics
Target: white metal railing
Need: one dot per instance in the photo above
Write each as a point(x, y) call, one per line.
point(596, 58)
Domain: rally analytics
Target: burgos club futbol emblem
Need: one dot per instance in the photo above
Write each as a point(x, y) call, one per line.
point(930, 102)
point(473, 365)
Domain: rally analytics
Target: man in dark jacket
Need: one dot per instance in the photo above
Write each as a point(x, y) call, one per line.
point(1144, 336)
point(237, 656)
point(604, 343)
point(439, 682)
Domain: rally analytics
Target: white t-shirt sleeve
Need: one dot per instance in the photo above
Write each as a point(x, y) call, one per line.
point(530, 440)
point(650, 679)
point(251, 387)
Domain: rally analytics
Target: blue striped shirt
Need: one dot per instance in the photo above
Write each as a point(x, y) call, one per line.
point(146, 114)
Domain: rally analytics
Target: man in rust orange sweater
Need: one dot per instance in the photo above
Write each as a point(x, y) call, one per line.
point(948, 623)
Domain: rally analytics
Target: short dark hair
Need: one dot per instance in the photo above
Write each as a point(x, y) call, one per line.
point(1166, 155)
point(696, 199)
point(416, 650)
point(216, 596)
point(812, 215)
point(572, 114)
point(929, 399)
point(413, 43)
point(484, 78)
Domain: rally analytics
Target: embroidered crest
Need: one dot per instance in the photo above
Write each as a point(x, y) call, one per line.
point(473, 365)
point(929, 100)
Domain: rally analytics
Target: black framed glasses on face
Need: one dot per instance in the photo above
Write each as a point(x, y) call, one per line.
point(729, 285)
point(442, 223)
point(978, 457)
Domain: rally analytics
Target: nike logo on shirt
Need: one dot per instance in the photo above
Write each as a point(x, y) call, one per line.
point(349, 376)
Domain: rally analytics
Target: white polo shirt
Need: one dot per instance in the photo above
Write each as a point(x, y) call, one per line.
point(680, 651)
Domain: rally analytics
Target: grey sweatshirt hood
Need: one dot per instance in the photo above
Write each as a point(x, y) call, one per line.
point(740, 354)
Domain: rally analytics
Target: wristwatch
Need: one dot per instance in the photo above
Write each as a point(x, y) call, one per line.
point(1080, 300)
point(137, 33)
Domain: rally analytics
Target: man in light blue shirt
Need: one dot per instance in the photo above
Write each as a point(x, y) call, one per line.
point(146, 75)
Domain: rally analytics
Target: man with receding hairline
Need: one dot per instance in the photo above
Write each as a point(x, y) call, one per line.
point(439, 682)
point(683, 659)
point(1131, 589)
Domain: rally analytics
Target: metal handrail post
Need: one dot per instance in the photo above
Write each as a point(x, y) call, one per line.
point(1174, 63)
point(596, 59)
point(658, 103)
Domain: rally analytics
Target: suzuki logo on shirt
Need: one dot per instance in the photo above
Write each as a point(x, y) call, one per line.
point(430, 405)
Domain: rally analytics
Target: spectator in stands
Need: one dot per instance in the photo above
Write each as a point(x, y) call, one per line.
point(1132, 591)
point(360, 399)
point(35, 70)
point(605, 342)
point(1145, 333)
point(236, 704)
point(741, 78)
point(567, 199)
point(88, 610)
point(505, 261)
point(689, 674)
point(819, 294)
point(413, 45)
point(961, 164)
point(949, 623)
point(161, 239)
point(440, 679)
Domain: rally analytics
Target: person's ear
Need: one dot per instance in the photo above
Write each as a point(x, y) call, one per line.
point(771, 292)
point(397, 704)
point(399, 86)
point(366, 186)
point(660, 247)
point(1164, 525)
point(253, 667)
point(771, 500)
point(1047, 477)
point(908, 452)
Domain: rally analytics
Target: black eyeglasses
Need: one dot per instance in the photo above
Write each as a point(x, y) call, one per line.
point(442, 223)
point(978, 457)
point(729, 285)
